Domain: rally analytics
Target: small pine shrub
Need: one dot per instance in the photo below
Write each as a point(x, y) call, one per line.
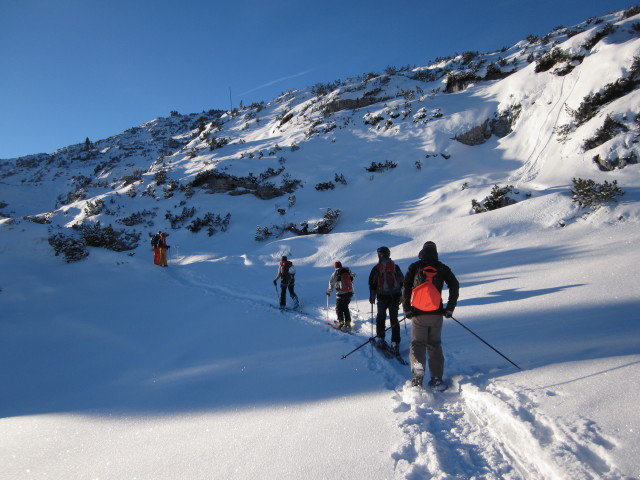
point(549, 59)
point(609, 129)
point(593, 41)
point(588, 193)
point(137, 218)
point(212, 221)
point(612, 91)
point(325, 186)
point(381, 167)
point(160, 177)
point(95, 235)
point(497, 199)
point(339, 178)
point(176, 221)
point(262, 233)
point(94, 208)
point(73, 249)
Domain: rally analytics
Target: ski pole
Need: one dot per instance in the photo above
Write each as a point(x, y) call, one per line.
point(371, 340)
point(487, 344)
point(405, 317)
point(355, 298)
point(327, 308)
point(372, 328)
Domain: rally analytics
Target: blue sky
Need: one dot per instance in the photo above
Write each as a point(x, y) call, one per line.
point(72, 69)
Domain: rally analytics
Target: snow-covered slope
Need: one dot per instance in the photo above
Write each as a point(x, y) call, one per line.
point(114, 368)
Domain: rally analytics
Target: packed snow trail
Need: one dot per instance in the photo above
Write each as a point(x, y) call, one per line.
point(483, 427)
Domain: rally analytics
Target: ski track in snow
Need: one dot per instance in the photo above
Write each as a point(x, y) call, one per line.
point(476, 429)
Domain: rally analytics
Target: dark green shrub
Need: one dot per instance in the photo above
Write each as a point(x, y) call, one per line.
point(606, 132)
point(457, 81)
point(497, 199)
point(176, 221)
point(71, 248)
point(549, 59)
point(95, 235)
point(599, 35)
point(612, 91)
point(588, 193)
point(213, 222)
point(381, 167)
point(325, 186)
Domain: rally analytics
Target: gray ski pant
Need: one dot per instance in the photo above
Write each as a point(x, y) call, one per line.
point(426, 332)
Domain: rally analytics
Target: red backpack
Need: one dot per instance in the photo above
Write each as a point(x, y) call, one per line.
point(388, 281)
point(344, 283)
point(426, 296)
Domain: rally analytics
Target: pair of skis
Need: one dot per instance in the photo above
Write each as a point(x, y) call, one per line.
point(336, 326)
point(387, 353)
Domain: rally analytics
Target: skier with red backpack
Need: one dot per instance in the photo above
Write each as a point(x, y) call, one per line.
point(422, 302)
point(385, 285)
point(342, 280)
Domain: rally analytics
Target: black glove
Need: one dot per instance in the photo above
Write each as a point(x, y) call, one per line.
point(275, 282)
point(448, 313)
point(409, 314)
point(372, 298)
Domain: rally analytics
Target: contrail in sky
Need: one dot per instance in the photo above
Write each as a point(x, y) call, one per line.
point(273, 82)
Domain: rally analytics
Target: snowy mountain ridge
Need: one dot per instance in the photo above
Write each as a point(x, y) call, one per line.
point(270, 150)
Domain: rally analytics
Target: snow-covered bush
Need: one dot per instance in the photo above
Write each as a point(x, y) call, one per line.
point(212, 221)
point(588, 193)
point(176, 221)
point(606, 132)
point(95, 235)
point(137, 218)
point(73, 249)
point(381, 167)
point(325, 186)
point(497, 199)
point(611, 91)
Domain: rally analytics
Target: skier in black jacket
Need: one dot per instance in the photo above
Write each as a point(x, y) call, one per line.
point(426, 328)
point(385, 285)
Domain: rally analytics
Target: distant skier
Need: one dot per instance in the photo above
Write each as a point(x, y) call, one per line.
point(427, 276)
point(287, 276)
point(342, 280)
point(155, 246)
point(163, 247)
point(385, 285)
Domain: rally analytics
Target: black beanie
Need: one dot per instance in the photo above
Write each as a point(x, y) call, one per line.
point(429, 252)
point(429, 245)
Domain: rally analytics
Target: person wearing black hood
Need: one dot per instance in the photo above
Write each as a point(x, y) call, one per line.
point(426, 328)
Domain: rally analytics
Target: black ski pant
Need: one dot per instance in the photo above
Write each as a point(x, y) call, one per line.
point(283, 293)
point(426, 333)
point(342, 308)
point(392, 304)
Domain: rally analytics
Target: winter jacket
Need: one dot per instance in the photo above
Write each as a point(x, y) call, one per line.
point(445, 275)
point(287, 273)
